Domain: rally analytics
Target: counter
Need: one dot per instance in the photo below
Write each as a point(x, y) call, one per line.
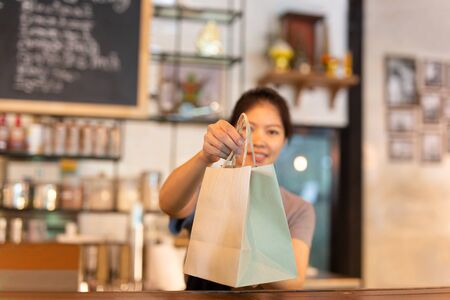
point(387, 294)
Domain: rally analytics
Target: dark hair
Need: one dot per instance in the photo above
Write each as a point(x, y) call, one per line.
point(260, 95)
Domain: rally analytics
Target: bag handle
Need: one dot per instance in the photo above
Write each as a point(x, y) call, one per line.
point(231, 159)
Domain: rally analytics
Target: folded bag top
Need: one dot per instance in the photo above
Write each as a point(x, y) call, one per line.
point(240, 235)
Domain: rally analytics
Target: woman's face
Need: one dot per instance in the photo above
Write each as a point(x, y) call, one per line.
point(267, 134)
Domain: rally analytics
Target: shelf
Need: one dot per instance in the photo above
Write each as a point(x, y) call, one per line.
point(183, 120)
point(194, 58)
point(301, 81)
point(42, 157)
point(196, 14)
point(36, 211)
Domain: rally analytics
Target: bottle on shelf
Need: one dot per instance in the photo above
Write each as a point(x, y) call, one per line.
point(4, 132)
point(73, 138)
point(47, 136)
point(114, 147)
point(101, 140)
point(35, 137)
point(59, 138)
point(17, 138)
point(87, 139)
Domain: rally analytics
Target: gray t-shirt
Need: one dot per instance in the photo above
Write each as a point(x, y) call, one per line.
point(300, 216)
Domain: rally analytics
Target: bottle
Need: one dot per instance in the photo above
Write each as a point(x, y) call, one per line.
point(3, 133)
point(114, 147)
point(17, 137)
point(73, 138)
point(101, 140)
point(47, 136)
point(59, 138)
point(87, 140)
point(35, 138)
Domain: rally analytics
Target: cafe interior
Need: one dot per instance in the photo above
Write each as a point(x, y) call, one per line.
point(101, 100)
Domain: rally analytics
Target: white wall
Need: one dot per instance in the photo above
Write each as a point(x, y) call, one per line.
point(406, 206)
point(150, 145)
point(261, 18)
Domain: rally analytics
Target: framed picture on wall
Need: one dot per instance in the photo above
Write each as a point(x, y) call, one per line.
point(431, 147)
point(447, 135)
point(401, 148)
point(402, 120)
point(433, 73)
point(184, 87)
point(431, 104)
point(401, 82)
point(447, 76)
point(446, 107)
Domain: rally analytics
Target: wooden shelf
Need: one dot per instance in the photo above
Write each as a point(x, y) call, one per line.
point(192, 58)
point(301, 81)
point(44, 157)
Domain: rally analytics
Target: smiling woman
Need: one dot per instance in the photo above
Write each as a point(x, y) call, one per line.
point(271, 128)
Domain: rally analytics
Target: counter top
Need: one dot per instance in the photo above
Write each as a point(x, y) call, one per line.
point(380, 294)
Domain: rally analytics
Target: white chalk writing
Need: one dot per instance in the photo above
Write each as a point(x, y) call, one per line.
point(56, 43)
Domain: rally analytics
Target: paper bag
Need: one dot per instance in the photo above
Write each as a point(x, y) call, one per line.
point(240, 235)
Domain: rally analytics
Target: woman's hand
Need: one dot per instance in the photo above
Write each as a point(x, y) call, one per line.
point(220, 139)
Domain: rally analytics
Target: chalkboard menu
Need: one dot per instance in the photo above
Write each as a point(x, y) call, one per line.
point(74, 57)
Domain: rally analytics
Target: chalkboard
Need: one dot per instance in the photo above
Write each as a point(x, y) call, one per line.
point(74, 57)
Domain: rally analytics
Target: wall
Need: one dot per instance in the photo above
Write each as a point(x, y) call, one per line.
point(406, 206)
point(150, 145)
point(314, 108)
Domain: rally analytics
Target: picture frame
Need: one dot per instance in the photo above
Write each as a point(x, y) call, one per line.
point(433, 73)
point(431, 147)
point(401, 81)
point(401, 148)
point(431, 104)
point(402, 120)
point(447, 76)
point(447, 137)
point(446, 107)
point(185, 87)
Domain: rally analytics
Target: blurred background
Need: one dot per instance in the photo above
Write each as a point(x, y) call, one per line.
point(368, 86)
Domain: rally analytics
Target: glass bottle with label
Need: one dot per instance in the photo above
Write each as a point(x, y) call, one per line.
point(3, 133)
point(73, 138)
point(114, 148)
point(101, 140)
point(87, 140)
point(17, 136)
point(47, 136)
point(35, 138)
point(59, 138)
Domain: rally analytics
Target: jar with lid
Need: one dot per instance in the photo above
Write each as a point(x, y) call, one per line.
point(71, 193)
point(98, 193)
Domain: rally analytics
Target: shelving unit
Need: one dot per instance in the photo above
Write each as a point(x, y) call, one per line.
point(234, 49)
point(43, 157)
point(301, 81)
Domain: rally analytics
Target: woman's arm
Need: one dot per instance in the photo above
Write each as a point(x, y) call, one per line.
point(301, 253)
point(176, 195)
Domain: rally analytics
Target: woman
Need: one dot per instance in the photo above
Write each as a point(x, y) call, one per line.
point(271, 128)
